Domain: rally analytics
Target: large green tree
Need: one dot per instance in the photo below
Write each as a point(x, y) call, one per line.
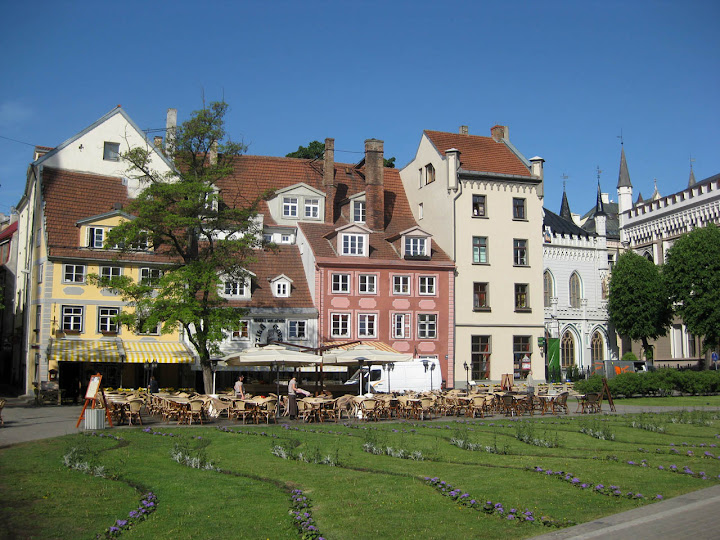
point(201, 238)
point(638, 304)
point(692, 276)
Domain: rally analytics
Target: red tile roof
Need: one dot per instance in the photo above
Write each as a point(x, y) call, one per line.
point(268, 265)
point(254, 175)
point(482, 154)
point(73, 196)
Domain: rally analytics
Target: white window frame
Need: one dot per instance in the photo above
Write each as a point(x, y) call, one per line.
point(74, 273)
point(367, 284)
point(312, 208)
point(427, 285)
point(106, 324)
point(290, 207)
point(95, 237)
point(340, 325)
point(359, 212)
point(234, 289)
point(297, 330)
point(427, 325)
point(415, 246)
point(340, 283)
point(109, 272)
point(401, 327)
point(73, 318)
point(367, 325)
point(285, 239)
point(150, 276)
point(401, 284)
point(281, 288)
point(353, 244)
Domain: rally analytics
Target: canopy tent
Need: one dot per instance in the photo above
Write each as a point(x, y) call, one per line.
point(361, 355)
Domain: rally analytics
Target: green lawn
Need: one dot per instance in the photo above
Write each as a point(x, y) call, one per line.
point(361, 495)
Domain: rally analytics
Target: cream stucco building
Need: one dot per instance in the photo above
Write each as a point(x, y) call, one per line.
point(481, 199)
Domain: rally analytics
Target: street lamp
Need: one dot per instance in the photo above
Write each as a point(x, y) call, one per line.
point(150, 367)
point(432, 368)
point(426, 365)
point(361, 361)
point(213, 367)
point(467, 376)
point(388, 368)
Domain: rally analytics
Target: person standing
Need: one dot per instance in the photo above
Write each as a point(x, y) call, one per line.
point(153, 387)
point(293, 391)
point(240, 387)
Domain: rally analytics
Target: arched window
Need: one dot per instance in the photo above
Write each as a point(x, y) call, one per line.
point(567, 350)
point(597, 348)
point(575, 292)
point(547, 288)
point(649, 256)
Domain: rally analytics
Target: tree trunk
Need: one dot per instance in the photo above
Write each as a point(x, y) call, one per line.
point(207, 376)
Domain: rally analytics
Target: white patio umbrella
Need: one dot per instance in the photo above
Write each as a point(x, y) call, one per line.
point(363, 354)
point(272, 355)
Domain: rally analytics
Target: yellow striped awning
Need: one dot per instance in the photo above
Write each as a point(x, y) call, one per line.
point(84, 350)
point(161, 352)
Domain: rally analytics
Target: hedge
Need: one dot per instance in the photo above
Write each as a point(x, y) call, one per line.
point(663, 382)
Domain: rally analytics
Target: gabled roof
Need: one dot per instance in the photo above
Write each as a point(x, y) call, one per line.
point(612, 222)
point(479, 154)
point(117, 110)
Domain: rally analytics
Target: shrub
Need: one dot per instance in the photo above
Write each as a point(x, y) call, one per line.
point(626, 384)
point(629, 357)
point(590, 385)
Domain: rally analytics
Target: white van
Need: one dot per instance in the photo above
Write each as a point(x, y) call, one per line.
point(405, 376)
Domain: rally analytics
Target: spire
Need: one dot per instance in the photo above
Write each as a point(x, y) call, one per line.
point(565, 208)
point(639, 199)
point(691, 180)
point(599, 206)
point(656, 193)
point(624, 176)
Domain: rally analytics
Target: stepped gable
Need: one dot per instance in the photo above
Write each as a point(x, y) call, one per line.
point(479, 154)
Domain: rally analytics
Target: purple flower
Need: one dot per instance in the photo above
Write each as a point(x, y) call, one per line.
point(659, 497)
point(114, 529)
point(121, 522)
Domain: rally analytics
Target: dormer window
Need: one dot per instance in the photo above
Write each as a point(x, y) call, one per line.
point(290, 207)
point(281, 286)
point(358, 211)
point(312, 208)
point(235, 288)
point(415, 246)
point(353, 244)
point(95, 237)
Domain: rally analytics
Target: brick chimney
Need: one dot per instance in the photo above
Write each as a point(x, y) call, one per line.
point(329, 180)
point(499, 132)
point(374, 185)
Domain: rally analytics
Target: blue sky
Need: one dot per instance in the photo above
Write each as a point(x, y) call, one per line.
point(567, 77)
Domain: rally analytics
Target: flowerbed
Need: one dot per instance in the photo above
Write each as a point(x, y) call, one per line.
point(610, 491)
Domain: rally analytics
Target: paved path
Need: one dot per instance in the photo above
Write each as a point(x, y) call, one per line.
point(695, 515)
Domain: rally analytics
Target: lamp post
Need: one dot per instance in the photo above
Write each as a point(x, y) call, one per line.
point(213, 367)
point(361, 361)
point(388, 368)
point(467, 376)
point(432, 368)
point(426, 365)
point(149, 370)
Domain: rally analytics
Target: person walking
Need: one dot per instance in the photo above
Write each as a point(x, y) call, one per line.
point(240, 387)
